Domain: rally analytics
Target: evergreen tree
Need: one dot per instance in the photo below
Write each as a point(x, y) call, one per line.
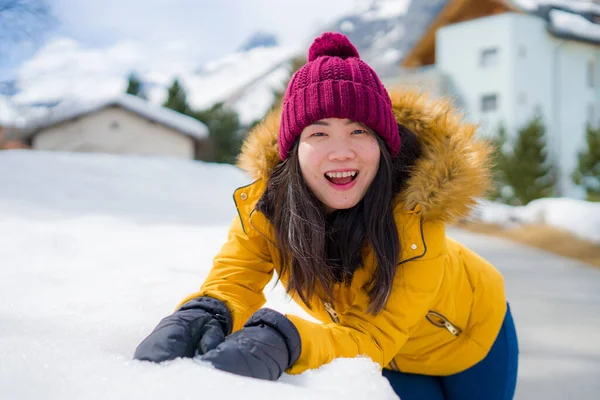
point(135, 86)
point(177, 98)
point(528, 170)
point(224, 132)
point(587, 173)
point(499, 163)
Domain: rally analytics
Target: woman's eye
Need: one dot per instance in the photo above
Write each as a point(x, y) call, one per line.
point(318, 134)
point(359, 131)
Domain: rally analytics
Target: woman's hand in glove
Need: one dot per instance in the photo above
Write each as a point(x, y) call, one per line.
point(200, 324)
point(268, 344)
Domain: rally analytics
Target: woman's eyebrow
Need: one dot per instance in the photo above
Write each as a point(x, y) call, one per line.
point(323, 123)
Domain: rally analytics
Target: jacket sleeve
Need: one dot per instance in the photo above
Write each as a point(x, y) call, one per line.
point(378, 337)
point(239, 274)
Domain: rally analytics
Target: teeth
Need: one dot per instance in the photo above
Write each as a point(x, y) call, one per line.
point(341, 174)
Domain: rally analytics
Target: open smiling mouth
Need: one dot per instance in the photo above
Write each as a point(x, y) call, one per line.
point(341, 178)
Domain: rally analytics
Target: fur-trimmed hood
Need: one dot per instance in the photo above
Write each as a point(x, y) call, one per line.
point(452, 172)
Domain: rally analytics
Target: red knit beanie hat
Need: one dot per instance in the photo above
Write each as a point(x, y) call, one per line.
point(336, 83)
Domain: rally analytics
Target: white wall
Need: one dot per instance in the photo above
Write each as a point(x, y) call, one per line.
point(114, 130)
point(458, 49)
point(573, 98)
point(534, 70)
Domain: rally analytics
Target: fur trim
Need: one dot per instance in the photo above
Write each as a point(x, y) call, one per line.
point(260, 153)
point(453, 171)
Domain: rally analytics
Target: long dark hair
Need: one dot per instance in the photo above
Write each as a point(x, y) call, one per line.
point(320, 249)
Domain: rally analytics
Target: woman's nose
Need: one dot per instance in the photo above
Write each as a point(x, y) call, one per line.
point(341, 151)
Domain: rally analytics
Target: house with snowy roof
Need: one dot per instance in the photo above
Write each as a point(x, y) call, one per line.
point(502, 60)
point(124, 124)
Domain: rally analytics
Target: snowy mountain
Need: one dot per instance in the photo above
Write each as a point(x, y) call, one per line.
point(259, 39)
point(64, 70)
point(245, 79)
point(379, 33)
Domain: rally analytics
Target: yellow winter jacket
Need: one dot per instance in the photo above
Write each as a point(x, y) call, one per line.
point(447, 303)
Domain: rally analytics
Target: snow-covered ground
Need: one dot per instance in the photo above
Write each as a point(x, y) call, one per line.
point(581, 218)
point(95, 250)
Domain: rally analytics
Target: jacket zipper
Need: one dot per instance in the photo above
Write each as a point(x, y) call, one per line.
point(331, 311)
point(440, 321)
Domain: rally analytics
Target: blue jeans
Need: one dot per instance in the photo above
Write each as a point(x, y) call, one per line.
point(493, 378)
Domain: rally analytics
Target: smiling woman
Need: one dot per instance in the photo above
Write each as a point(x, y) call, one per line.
point(353, 191)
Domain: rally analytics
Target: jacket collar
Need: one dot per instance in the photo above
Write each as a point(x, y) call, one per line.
point(452, 172)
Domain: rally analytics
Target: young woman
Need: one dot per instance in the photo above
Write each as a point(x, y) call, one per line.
point(353, 189)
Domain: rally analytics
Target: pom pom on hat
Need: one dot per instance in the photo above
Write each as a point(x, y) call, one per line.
point(332, 44)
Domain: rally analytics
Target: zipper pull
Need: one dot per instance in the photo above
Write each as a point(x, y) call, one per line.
point(331, 311)
point(451, 328)
point(440, 321)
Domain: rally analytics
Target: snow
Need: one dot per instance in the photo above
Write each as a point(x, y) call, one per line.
point(385, 9)
point(66, 69)
point(581, 218)
point(153, 112)
point(574, 24)
point(12, 114)
point(257, 98)
point(226, 78)
point(347, 26)
point(8, 114)
point(96, 249)
point(581, 6)
point(391, 55)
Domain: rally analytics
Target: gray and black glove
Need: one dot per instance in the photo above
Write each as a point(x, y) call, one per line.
point(268, 344)
point(200, 324)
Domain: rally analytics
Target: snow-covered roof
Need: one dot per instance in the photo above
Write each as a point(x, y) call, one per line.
point(568, 19)
point(162, 115)
point(580, 6)
point(570, 25)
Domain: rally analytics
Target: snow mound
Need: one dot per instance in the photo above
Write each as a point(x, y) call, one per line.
point(96, 249)
point(51, 185)
point(581, 218)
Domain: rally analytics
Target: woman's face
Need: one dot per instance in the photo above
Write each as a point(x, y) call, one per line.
point(339, 159)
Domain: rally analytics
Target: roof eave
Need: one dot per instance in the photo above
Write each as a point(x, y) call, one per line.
point(29, 134)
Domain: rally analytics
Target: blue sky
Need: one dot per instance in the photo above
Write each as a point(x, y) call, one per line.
point(206, 29)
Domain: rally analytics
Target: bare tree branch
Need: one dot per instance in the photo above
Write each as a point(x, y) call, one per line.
point(24, 20)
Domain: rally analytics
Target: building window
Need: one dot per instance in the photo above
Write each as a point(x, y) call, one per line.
point(114, 125)
point(489, 102)
point(591, 117)
point(489, 57)
point(591, 73)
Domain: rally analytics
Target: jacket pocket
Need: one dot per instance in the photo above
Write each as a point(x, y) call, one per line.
point(441, 321)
